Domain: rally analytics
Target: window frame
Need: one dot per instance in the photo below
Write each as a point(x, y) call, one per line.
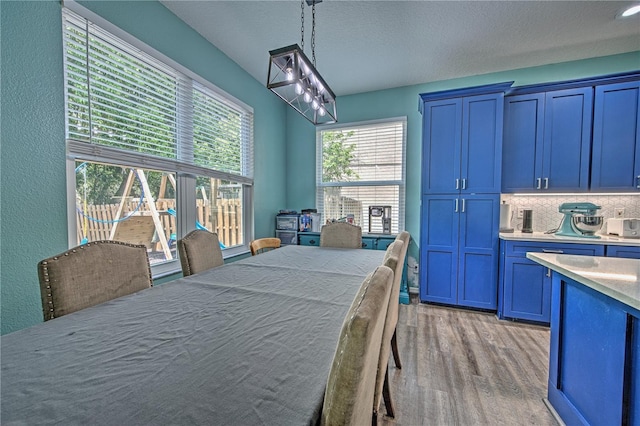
point(186, 172)
point(401, 183)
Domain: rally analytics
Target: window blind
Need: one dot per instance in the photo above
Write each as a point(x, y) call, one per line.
point(362, 165)
point(120, 97)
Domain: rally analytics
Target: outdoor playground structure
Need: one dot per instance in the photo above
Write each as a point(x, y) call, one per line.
point(152, 222)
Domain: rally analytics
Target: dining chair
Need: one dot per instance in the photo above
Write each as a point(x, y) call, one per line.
point(341, 235)
point(405, 237)
point(350, 388)
point(199, 251)
point(392, 259)
point(263, 244)
point(91, 274)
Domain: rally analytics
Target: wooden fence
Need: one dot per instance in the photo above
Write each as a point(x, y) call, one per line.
point(223, 217)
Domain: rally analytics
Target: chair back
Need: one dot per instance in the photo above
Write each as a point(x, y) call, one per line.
point(392, 259)
point(90, 274)
point(199, 251)
point(263, 244)
point(341, 235)
point(350, 388)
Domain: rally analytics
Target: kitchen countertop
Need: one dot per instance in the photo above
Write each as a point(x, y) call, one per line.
point(617, 278)
point(552, 238)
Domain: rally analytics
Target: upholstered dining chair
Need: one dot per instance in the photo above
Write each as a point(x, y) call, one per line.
point(394, 260)
point(199, 251)
point(91, 274)
point(341, 235)
point(263, 244)
point(349, 393)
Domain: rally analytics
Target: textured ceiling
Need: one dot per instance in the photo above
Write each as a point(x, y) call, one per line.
point(371, 45)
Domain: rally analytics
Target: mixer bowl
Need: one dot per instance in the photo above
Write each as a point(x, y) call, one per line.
point(586, 224)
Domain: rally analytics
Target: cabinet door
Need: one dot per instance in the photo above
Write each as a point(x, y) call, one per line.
point(522, 143)
point(478, 251)
point(615, 163)
point(527, 290)
point(439, 249)
point(441, 134)
point(481, 156)
point(567, 139)
point(629, 252)
point(309, 240)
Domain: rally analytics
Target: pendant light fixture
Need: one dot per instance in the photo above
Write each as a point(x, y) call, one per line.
point(296, 80)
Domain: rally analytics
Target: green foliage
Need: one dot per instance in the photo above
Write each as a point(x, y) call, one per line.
point(337, 157)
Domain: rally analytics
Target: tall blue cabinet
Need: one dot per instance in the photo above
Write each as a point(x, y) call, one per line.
point(461, 163)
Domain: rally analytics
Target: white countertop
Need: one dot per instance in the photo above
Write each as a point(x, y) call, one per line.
point(552, 238)
point(615, 277)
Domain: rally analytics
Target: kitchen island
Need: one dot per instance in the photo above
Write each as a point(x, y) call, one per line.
point(594, 357)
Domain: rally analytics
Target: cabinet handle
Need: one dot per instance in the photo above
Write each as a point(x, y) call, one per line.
point(546, 183)
point(457, 183)
point(456, 208)
point(463, 204)
point(464, 184)
point(548, 272)
point(538, 183)
point(552, 251)
point(312, 241)
point(638, 181)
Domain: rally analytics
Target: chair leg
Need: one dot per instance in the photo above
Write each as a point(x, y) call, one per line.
point(386, 395)
point(374, 419)
point(394, 349)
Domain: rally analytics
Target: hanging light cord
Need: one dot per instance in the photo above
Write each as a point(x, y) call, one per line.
point(313, 33)
point(302, 25)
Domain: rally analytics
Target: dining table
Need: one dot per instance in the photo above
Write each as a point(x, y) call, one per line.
point(247, 343)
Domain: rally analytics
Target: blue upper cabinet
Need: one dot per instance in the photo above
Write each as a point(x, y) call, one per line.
point(615, 163)
point(547, 141)
point(462, 141)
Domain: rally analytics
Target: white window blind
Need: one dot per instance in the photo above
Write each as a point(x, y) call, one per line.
point(361, 165)
point(121, 97)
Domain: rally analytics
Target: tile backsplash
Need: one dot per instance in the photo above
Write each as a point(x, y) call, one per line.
point(545, 207)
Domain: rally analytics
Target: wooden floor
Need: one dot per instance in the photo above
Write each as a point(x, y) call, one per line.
point(461, 367)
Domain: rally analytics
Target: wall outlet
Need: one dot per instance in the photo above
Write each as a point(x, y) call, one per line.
point(415, 268)
point(618, 212)
point(520, 212)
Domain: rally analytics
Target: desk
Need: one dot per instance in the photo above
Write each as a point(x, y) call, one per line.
point(250, 342)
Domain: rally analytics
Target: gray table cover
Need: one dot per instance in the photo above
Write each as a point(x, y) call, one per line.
point(248, 343)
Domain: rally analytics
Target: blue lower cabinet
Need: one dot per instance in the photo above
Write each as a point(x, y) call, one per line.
point(459, 250)
point(309, 239)
point(368, 243)
point(629, 252)
point(593, 360)
point(384, 242)
point(525, 286)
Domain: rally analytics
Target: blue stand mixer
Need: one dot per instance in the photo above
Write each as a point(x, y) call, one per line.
point(580, 220)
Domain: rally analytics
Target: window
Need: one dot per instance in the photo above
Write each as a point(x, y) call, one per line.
point(361, 165)
point(154, 150)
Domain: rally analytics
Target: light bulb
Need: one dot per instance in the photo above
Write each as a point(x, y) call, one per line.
point(315, 104)
point(289, 74)
point(322, 111)
point(307, 96)
point(299, 88)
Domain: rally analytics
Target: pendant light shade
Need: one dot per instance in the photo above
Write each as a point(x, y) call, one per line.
point(294, 79)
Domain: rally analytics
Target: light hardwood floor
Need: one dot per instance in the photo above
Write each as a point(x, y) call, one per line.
point(462, 367)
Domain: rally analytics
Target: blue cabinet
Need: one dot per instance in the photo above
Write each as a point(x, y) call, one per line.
point(459, 250)
point(629, 252)
point(525, 286)
point(615, 160)
point(547, 141)
point(594, 357)
point(462, 139)
point(309, 239)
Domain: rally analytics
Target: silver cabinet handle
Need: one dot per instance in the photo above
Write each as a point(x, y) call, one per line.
point(464, 183)
point(548, 272)
point(456, 208)
point(638, 182)
point(546, 183)
point(457, 183)
point(463, 205)
point(552, 251)
point(538, 183)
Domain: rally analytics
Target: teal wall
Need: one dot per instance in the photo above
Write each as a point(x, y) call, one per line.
point(33, 218)
point(403, 101)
